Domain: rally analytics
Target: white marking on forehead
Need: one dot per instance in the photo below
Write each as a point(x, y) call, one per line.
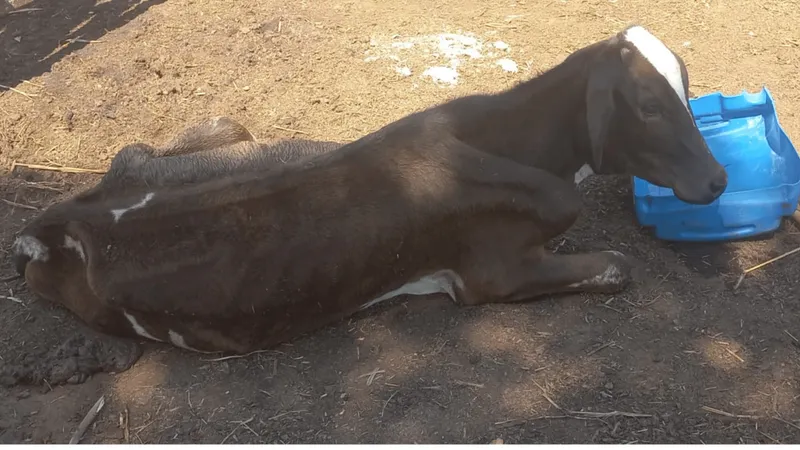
point(662, 59)
point(138, 328)
point(117, 213)
point(74, 244)
point(583, 173)
point(32, 248)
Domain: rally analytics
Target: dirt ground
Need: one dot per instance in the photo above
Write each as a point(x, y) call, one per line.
point(92, 76)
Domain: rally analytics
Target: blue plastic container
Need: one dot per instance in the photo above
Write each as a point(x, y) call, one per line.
point(763, 168)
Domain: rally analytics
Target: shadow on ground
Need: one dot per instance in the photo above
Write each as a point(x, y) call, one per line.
point(39, 33)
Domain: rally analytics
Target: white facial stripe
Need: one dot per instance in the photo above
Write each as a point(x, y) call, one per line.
point(117, 213)
point(662, 59)
point(74, 244)
point(138, 328)
point(31, 247)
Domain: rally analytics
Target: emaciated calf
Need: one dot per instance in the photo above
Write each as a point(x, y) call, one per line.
point(218, 243)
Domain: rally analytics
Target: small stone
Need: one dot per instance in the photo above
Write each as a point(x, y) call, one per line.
point(344, 396)
point(24, 394)
point(609, 385)
point(225, 367)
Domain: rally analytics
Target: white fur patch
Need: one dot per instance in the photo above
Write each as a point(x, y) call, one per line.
point(117, 213)
point(441, 282)
point(32, 248)
point(657, 54)
point(584, 172)
point(178, 341)
point(611, 276)
point(74, 244)
point(138, 328)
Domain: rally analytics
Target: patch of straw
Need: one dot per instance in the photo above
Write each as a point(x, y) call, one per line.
point(56, 168)
point(87, 420)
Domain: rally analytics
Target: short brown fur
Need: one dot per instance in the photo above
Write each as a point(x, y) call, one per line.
point(244, 245)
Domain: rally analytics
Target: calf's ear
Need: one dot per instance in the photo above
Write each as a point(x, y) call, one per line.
point(604, 77)
point(78, 238)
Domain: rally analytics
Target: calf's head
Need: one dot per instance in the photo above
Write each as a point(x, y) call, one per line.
point(640, 122)
point(51, 259)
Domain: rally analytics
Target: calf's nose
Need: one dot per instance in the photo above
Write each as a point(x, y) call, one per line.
point(718, 183)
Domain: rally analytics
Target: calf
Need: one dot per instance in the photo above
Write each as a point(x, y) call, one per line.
point(217, 243)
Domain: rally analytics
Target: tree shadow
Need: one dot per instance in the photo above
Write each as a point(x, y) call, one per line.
point(40, 33)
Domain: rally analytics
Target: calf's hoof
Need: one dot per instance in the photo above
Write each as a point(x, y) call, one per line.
point(73, 362)
point(614, 274)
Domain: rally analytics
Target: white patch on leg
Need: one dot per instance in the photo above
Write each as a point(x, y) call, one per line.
point(662, 59)
point(32, 248)
point(74, 244)
point(178, 341)
point(583, 173)
point(117, 213)
point(138, 328)
point(442, 282)
point(611, 276)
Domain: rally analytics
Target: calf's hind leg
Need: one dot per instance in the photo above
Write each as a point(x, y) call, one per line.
point(209, 134)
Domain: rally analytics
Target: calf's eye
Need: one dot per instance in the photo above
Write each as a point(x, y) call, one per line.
point(650, 110)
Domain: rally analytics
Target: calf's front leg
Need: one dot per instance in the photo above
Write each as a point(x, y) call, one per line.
point(511, 266)
point(600, 272)
point(503, 257)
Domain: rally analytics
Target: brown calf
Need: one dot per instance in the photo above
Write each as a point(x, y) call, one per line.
point(218, 243)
